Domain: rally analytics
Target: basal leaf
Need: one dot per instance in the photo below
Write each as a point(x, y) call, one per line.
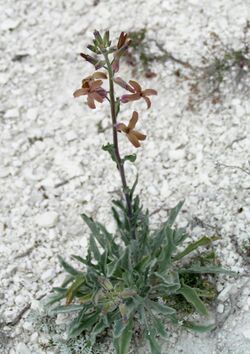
point(81, 323)
point(204, 241)
point(97, 329)
point(159, 308)
point(66, 309)
point(198, 327)
point(206, 269)
point(173, 214)
point(122, 343)
point(154, 346)
point(68, 268)
point(192, 297)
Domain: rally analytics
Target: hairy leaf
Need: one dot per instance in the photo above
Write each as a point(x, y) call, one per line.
point(66, 309)
point(204, 241)
point(81, 323)
point(122, 342)
point(69, 269)
point(159, 308)
point(206, 269)
point(192, 297)
point(198, 327)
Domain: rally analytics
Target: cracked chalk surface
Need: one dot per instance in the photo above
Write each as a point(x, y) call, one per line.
point(53, 168)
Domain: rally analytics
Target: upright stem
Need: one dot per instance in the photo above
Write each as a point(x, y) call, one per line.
point(116, 146)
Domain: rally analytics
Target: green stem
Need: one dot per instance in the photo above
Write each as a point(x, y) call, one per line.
point(119, 161)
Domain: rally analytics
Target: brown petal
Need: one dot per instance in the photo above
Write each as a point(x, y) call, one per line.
point(122, 40)
point(149, 92)
point(80, 92)
point(135, 85)
point(119, 81)
point(133, 120)
point(91, 102)
point(133, 139)
point(133, 97)
point(147, 101)
point(95, 84)
point(121, 127)
point(99, 75)
point(139, 135)
point(97, 97)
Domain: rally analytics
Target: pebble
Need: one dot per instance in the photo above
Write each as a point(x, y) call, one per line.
point(220, 308)
point(176, 155)
point(48, 275)
point(224, 294)
point(47, 219)
point(22, 349)
point(11, 113)
point(32, 113)
point(9, 24)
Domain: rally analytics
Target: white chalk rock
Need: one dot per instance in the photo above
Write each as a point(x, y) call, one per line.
point(176, 154)
point(32, 113)
point(22, 349)
point(223, 296)
point(220, 308)
point(12, 113)
point(47, 219)
point(48, 275)
point(9, 24)
point(246, 332)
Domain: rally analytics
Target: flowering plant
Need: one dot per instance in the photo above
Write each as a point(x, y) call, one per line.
point(131, 282)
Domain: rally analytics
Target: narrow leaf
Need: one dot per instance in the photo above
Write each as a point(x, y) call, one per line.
point(207, 269)
point(173, 213)
point(204, 241)
point(192, 297)
point(198, 327)
point(123, 342)
point(154, 346)
point(159, 308)
point(66, 309)
point(69, 269)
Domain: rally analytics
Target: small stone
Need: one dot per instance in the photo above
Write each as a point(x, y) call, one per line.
point(4, 77)
point(47, 219)
point(246, 332)
point(48, 275)
point(223, 296)
point(20, 300)
point(22, 349)
point(12, 113)
point(152, 190)
point(28, 326)
point(165, 189)
point(32, 113)
point(9, 24)
point(70, 136)
point(33, 337)
point(220, 308)
point(176, 154)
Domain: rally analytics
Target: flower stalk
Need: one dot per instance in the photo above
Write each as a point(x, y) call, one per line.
point(119, 162)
